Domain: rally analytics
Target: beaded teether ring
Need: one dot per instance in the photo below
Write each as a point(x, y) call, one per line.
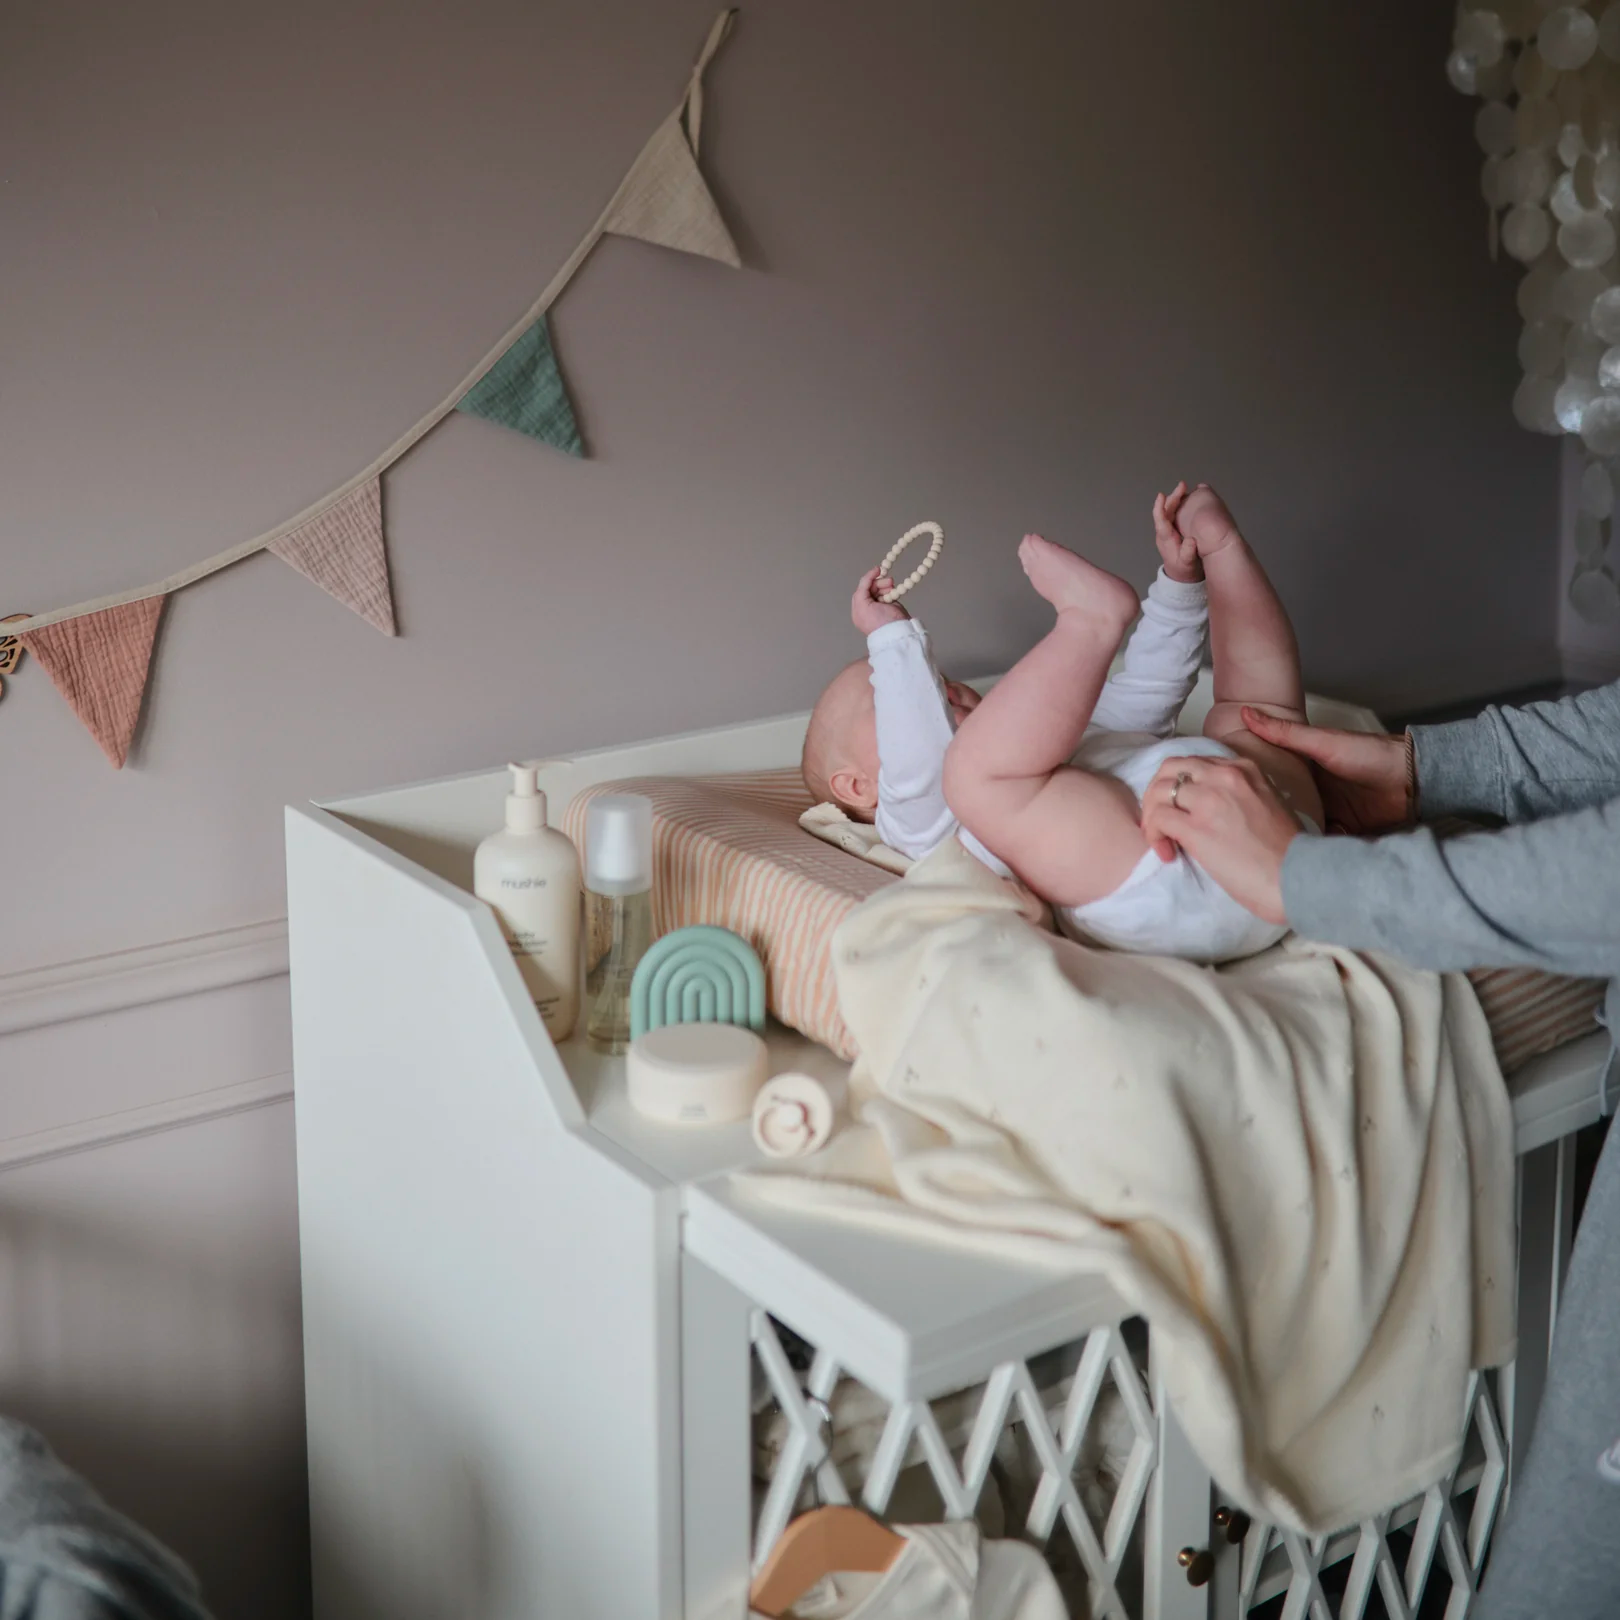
point(914, 577)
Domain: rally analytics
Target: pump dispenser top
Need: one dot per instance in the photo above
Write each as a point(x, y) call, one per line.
point(525, 804)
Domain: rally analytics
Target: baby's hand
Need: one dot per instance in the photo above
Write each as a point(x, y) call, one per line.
point(1178, 551)
point(867, 611)
point(1206, 520)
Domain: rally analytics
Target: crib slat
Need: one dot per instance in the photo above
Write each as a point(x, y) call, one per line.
point(715, 1444)
point(1178, 1516)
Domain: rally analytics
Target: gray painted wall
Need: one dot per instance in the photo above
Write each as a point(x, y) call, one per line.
point(1010, 265)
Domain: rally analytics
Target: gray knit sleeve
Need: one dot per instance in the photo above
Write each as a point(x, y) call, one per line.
point(1545, 894)
point(1522, 764)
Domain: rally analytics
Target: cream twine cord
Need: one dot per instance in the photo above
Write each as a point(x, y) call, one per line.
point(936, 545)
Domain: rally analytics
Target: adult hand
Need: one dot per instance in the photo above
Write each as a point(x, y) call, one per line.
point(1362, 776)
point(1231, 820)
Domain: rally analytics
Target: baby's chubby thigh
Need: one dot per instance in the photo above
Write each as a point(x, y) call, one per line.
point(1076, 838)
point(1286, 772)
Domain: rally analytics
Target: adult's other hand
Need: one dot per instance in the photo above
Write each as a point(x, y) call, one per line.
point(1364, 777)
point(1231, 820)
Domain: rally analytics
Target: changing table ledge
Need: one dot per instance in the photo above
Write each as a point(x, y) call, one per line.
point(911, 1316)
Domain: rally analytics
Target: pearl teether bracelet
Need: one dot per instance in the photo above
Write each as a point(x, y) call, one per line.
point(936, 545)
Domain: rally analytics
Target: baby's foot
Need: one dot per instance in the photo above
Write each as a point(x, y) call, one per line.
point(1207, 521)
point(1072, 585)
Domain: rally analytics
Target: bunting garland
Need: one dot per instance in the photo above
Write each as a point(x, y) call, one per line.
point(98, 653)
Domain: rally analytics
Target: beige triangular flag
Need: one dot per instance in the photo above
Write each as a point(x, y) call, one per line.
point(99, 663)
point(664, 200)
point(342, 550)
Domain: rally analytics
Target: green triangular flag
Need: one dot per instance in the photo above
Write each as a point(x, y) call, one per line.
point(524, 390)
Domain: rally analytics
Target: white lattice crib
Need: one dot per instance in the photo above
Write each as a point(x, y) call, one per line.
point(557, 1367)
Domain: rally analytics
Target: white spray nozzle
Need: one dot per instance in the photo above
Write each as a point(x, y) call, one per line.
point(618, 844)
point(525, 778)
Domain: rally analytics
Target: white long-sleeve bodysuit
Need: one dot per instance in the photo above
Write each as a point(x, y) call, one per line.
point(1164, 908)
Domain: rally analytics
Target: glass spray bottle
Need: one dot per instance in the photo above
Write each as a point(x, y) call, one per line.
point(618, 912)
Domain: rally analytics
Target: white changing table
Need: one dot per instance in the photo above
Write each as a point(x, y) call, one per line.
point(529, 1315)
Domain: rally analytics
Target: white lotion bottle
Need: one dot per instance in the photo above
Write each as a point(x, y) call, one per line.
point(529, 874)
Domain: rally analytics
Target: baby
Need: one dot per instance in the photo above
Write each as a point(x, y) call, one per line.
point(1044, 778)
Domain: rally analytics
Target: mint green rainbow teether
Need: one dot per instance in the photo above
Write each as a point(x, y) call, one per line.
point(698, 975)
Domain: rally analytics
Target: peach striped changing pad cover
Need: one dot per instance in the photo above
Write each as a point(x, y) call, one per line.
point(729, 850)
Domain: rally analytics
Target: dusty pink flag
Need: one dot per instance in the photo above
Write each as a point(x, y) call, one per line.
point(99, 663)
point(341, 549)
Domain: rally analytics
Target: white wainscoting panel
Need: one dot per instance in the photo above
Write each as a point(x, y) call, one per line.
point(179, 967)
point(149, 1290)
point(103, 1039)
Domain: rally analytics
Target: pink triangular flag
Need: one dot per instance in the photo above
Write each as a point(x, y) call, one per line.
point(99, 663)
point(341, 549)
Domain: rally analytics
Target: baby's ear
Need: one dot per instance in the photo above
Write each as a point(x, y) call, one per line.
point(854, 790)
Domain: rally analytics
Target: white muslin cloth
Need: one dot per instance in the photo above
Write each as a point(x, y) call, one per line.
point(795, 1114)
point(1299, 1168)
point(944, 1572)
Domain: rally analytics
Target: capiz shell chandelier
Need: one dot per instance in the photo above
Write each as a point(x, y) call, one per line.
point(1549, 124)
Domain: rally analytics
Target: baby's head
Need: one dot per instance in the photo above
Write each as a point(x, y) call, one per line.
point(840, 761)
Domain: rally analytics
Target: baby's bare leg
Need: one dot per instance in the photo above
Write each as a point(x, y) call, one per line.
point(1071, 835)
point(1252, 646)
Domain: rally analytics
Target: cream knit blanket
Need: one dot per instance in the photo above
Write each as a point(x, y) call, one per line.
point(1299, 1168)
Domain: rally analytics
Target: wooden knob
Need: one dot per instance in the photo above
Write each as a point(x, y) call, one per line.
point(1199, 1564)
point(1235, 1522)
